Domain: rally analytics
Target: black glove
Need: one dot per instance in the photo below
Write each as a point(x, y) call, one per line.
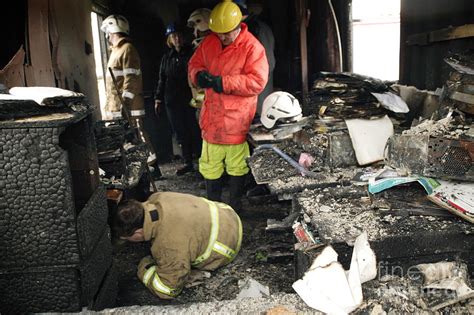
point(207, 80)
point(204, 79)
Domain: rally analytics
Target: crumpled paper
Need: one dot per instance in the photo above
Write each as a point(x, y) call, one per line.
point(305, 160)
point(328, 288)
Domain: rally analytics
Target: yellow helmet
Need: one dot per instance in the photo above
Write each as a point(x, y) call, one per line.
point(225, 17)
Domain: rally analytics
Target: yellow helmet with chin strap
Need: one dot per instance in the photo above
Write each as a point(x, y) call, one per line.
point(225, 17)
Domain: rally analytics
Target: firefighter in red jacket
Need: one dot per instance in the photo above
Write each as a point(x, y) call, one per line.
point(232, 66)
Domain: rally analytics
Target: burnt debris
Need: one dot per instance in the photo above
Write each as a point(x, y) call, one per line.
point(57, 254)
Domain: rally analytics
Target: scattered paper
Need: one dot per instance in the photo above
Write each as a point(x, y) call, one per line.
point(305, 160)
point(328, 288)
point(369, 138)
point(251, 288)
point(457, 197)
point(378, 185)
point(392, 102)
point(41, 95)
point(444, 284)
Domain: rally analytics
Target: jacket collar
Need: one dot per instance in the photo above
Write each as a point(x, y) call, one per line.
point(122, 41)
point(242, 35)
point(150, 227)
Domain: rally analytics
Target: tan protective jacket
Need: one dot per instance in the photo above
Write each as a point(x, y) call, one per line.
point(186, 232)
point(125, 64)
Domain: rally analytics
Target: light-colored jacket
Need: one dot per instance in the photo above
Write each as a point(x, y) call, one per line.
point(125, 64)
point(186, 232)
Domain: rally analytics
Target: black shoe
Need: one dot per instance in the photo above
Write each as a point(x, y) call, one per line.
point(156, 175)
point(214, 189)
point(236, 191)
point(259, 190)
point(159, 178)
point(185, 169)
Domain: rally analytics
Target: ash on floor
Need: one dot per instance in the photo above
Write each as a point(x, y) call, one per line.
point(251, 261)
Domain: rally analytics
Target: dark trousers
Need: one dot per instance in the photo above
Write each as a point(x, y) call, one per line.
point(182, 118)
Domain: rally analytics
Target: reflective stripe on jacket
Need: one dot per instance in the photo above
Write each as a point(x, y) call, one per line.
point(226, 117)
point(186, 231)
point(125, 64)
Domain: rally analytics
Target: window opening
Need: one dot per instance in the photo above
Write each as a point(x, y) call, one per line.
point(100, 57)
point(376, 38)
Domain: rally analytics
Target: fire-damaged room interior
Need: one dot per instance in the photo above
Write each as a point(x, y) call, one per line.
point(229, 157)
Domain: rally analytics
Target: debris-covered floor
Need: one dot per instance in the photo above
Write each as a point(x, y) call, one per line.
point(265, 257)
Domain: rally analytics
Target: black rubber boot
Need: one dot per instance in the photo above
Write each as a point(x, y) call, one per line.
point(236, 191)
point(188, 167)
point(156, 174)
point(214, 189)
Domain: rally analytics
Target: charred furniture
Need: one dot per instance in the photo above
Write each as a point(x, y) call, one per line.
point(54, 238)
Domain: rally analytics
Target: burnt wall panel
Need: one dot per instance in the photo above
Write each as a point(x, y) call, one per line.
point(71, 39)
point(41, 291)
point(92, 221)
point(39, 69)
point(422, 65)
point(95, 267)
point(55, 248)
point(107, 295)
point(323, 47)
point(36, 201)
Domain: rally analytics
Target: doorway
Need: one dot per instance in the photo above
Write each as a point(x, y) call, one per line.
point(376, 38)
point(100, 57)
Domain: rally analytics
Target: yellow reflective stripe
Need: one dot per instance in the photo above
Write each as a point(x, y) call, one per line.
point(116, 114)
point(117, 73)
point(128, 71)
point(148, 274)
point(161, 287)
point(239, 242)
point(137, 112)
point(214, 233)
point(127, 94)
point(125, 71)
point(223, 205)
point(223, 250)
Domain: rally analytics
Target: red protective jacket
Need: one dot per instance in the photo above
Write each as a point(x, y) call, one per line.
point(226, 117)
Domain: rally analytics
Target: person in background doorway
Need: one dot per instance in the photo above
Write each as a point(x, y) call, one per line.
point(186, 232)
point(199, 22)
point(125, 64)
point(231, 65)
point(263, 32)
point(174, 93)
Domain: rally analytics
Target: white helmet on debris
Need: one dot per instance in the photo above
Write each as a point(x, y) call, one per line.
point(115, 24)
point(199, 19)
point(280, 106)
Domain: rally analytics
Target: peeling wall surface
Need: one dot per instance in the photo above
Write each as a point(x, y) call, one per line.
point(422, 65)
point(72, 54)
point(57, 48)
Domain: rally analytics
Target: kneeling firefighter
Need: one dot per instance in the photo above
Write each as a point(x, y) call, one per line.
point(185, 232)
